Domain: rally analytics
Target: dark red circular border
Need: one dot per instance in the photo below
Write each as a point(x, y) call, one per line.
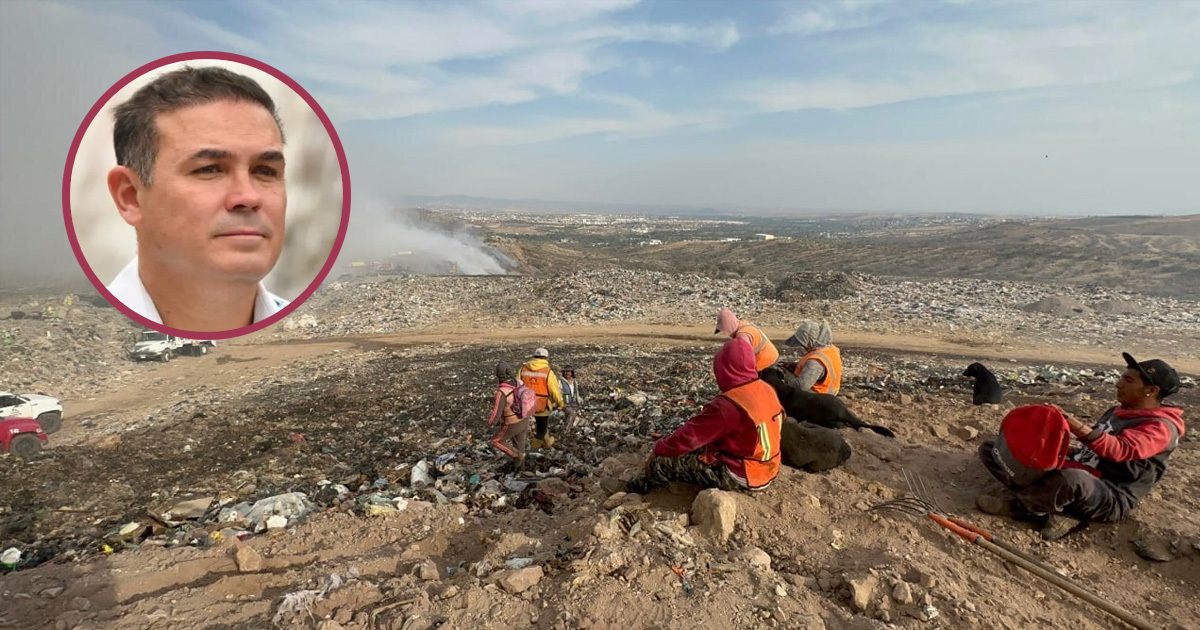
point(192, 56)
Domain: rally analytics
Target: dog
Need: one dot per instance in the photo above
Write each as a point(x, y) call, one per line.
point(806, 446)
point(987, 388)
point(819, 409)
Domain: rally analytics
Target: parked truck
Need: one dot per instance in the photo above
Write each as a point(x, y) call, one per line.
point(154, 345)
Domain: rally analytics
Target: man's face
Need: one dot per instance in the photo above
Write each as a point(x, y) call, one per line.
point(215, 207)
point(1131, 388)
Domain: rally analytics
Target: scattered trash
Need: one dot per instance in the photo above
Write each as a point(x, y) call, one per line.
point(11, 557)
point(270, 512)
point(420, 474)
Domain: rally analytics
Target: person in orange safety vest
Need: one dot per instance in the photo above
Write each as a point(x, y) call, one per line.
point(733, 443)
point(765, 353)
point(537, 375)
point(820, 369)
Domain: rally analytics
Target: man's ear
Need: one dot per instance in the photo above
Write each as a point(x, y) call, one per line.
point(1154, 392)
point(125, 186)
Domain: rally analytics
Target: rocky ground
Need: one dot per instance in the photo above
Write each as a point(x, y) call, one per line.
point(154, 511)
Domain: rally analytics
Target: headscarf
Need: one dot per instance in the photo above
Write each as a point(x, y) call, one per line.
point(810, 336)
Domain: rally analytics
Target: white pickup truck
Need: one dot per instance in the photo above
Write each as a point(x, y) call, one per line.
point(46, 409)
point(152, 344)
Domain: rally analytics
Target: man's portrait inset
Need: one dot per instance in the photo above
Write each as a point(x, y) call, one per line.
point(203, 176)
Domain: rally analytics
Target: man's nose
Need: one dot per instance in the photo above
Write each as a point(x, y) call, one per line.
point(243, 194)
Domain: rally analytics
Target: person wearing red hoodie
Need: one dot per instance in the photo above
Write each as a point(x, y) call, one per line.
point(733, 443)
point(1123, 455)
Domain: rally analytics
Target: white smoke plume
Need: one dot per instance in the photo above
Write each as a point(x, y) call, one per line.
point(384, 232)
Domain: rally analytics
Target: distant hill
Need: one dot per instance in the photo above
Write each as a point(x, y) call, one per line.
point(1127, 253)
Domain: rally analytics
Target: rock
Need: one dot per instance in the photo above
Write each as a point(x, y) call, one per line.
point(329, 624)
point(967, 433)
point(905, 399)
point(81, 603)
point(450, 592)
point(922, 578)
point(52, 592)
point(521, 580)
point(940, 431)
point(780, 590)
point(1153, 548)
point(554, 486)
point(427, 570)
point(247, 559)
point(809, 622)
point(614, 500)
point(862, 589)
point(756, 558)
point(343, 614)
point(902, 593)
point(715, 513)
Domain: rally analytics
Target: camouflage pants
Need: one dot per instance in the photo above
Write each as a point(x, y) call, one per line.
point(684, 469)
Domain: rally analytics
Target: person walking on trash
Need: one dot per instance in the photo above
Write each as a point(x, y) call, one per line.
point(765, 353)
point(572, 398)
point(512, 438)
point(820, 369)
point(733, 443)
point(537, 375)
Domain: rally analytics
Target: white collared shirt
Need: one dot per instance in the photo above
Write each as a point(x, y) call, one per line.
point(128, 288)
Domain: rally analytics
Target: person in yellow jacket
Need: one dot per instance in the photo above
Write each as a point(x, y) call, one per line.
point(765, 353)
point(820, 369)
point(537, 375)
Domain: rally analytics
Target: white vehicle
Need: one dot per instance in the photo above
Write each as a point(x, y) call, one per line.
point(45, 409)
point(152, 344)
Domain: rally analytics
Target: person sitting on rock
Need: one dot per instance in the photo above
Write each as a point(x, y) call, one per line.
point(537, 375)
point(733, 443)
point(765, 353)
point(1121, 459)
point(820, 369)
point(513, 436)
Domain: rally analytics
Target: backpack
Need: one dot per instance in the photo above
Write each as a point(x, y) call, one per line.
point(1033, 441)
point(523, 400)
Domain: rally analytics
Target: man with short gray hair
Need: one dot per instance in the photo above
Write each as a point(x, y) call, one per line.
point(200, 177)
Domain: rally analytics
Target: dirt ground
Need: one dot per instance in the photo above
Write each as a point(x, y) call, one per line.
point(262, 417)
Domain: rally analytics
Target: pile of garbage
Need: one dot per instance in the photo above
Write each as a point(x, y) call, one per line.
point(805, 286)
point(62, 344)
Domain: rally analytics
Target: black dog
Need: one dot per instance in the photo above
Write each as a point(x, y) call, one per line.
point(987, 388)
point(810, 447)
point(820, 409)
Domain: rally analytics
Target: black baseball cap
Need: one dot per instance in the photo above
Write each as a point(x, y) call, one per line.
point(1156, 372)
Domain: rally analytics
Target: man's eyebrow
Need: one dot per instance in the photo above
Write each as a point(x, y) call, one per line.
point(221, 154)
point(211, 154)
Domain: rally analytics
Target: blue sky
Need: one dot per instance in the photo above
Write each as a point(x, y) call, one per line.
point(1042, 107)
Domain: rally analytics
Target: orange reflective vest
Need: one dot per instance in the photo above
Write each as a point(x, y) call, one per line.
point(759, 401)
point(538, 381)
point(765, 354)
point(831, 359)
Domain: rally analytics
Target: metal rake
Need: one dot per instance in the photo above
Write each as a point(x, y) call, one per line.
point(922, 503)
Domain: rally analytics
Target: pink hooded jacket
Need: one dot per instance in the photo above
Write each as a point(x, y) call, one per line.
point(720, 425)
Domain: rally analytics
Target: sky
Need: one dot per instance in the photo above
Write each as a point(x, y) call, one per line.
point(1048, 108)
